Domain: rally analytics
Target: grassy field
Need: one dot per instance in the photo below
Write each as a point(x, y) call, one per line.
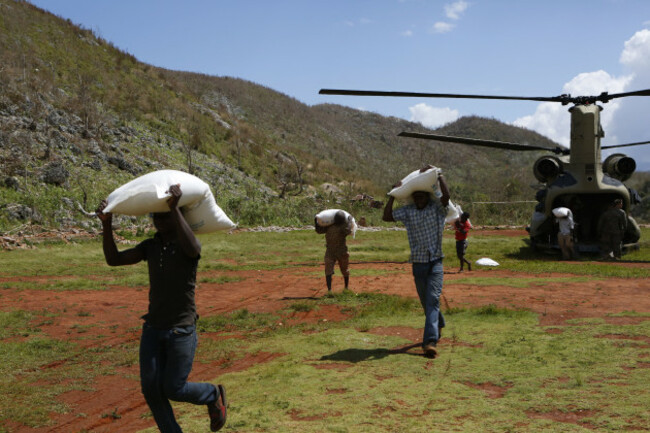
point(500, 371)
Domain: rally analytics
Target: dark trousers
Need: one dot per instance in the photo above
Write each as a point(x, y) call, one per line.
point(166, 357)
point(428, 282)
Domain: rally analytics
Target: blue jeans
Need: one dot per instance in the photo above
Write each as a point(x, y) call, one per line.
point(166, 357)
point(428, 282)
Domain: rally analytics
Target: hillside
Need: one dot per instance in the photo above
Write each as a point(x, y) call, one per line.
point(78, 117)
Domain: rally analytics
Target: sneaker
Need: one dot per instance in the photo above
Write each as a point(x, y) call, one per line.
point(217, 410)
point(429, 350)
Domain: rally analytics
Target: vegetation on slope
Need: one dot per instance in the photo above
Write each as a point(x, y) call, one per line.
point(79, 117)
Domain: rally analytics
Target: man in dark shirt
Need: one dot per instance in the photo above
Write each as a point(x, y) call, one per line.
point(611, 228)
point(169, 338)
point(336, 248)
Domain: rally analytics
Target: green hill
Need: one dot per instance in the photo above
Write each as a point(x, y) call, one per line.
point(78, 117)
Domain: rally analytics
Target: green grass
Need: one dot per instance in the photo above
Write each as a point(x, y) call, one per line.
point(374, 387)
point(339, 376)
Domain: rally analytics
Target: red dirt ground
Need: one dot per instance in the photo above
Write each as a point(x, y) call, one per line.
point(112, 318)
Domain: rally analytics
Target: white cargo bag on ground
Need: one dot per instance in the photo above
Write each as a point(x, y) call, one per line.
point(326, 218)
point(486, 262)
point(423, 181)
point(150, 192)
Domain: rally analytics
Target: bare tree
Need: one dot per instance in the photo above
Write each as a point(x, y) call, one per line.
point(289, 174)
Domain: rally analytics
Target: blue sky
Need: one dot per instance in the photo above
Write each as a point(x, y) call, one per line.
point(494, 47)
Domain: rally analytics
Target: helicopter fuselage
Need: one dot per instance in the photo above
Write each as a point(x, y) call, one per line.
point(578, 182)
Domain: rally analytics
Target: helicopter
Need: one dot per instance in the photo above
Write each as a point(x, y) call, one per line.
point(573, 178)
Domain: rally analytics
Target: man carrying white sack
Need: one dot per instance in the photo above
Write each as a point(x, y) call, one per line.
point(169, 338)
point(424, 220)
point(565, 232)
point(336, 249)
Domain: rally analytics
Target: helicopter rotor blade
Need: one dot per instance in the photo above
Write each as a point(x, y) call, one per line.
point(433, 95)
point(485, 143)
point(625, 145)
point(564, 99)
point(645, 92)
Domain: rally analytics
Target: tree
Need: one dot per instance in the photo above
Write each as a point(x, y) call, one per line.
point(289, 174)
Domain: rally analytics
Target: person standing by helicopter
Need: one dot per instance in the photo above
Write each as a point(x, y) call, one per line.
point(611, 227)
point(565, 232)
point(424, 221)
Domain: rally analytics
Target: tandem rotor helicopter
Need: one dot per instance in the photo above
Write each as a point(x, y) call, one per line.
point(574, 178)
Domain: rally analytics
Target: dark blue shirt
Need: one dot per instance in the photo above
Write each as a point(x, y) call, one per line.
point(172, 280)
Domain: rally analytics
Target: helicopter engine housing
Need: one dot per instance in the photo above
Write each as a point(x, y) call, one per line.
point(547, 168)
point(619, 166)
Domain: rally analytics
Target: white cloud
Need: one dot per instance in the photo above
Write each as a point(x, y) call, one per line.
point(442, 27)
point(361, 21)
point(636, 52)
point(624, 120)
point(432, 117)
point(629, 123)
point(407, 33)
point(455, 9)
point(552, 119)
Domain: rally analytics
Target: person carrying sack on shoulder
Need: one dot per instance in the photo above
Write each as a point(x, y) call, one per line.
point(462, 227)
point(424, 220)
point(169, 339)
point(336, 249)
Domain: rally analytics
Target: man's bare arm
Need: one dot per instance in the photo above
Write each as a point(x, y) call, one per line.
point(111, 254)
point(388, 210)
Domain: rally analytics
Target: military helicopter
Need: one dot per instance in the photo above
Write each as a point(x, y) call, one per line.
point(574, 178)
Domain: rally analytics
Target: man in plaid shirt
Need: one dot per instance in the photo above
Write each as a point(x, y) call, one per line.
point(424, 221)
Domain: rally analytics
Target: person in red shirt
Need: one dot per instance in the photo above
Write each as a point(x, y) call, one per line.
point(462, 226)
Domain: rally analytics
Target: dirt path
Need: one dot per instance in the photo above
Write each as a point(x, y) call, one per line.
point(112, 317)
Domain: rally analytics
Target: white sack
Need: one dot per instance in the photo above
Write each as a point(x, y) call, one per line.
point(486, 262)
point(416, 181)
point(326, 218)
point(453, 212)
point(150, 192)
point(426, 181)
point(561, 212)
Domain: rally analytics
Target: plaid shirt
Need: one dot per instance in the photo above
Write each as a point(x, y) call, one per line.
point(424, 229)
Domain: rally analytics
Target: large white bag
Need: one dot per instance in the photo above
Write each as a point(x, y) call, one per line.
point(150, 192)
point(326, 218)
point(486, 261)
point(561, 212)
point(417, 181)
point(423, 181)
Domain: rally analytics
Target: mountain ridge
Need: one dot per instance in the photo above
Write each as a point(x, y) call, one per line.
point(79, 117)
